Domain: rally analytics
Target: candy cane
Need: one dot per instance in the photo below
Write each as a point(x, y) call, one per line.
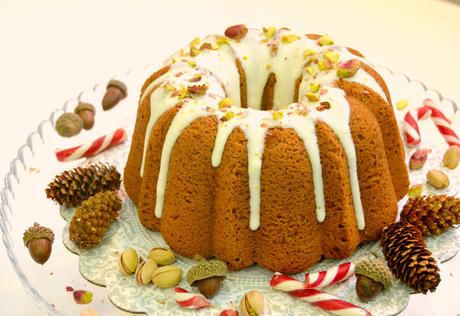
point(428, 110)
point(322, 300)
point(229, 312)
point(328, 277)
point(92, 149)
point(190, 300)
point(442, 123)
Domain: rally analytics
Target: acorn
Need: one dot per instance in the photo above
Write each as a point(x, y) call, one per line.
point(207, 276)
point(116, 91)
point(69, 124)
point(86, 112)
point(372, 277)
point(39, 241)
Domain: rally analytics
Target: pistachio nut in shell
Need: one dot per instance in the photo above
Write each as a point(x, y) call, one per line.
point(162, 256)
point(167, 276)
point(437, 178)
point(144, 271)
point(127, 261)
point(252, 303)
point(451, 157)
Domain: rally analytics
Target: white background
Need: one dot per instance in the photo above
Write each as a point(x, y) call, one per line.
point(50, 50)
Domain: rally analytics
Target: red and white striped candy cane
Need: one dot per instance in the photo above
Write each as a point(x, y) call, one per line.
point(325, 301)
point(328, 277)
point(428, 110)
point(93, 148)
point(443, 124)
point(190, 300)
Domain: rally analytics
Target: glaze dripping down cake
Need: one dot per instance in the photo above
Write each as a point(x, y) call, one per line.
point(266, 146)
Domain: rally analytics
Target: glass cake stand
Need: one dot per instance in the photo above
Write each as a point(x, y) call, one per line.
point(36, 165)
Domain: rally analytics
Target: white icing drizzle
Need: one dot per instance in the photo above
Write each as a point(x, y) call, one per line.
point(258, 59)
point(254, 57)
point(304, 126)
point(161, 100)
point(287, 66)
point(221, 62)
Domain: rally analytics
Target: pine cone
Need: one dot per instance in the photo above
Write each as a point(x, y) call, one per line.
point(93, 218)
point(72, 187)
point(408, 258)
point(433, 214)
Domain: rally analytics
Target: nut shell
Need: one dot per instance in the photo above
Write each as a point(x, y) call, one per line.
point(209, 287)
point(162, 256)
point(437, 178)
point(252, 303)
point(206, 269)
point(128, 261)
point(40, 249)
point(69, 124)
point(451, 157)
point(144, 271)
point(167, 276)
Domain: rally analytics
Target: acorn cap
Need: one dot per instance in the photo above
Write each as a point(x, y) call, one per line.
point(82, 106)
point(69, 124)
point(118, 84)
point(206, 269)
point(37, 232)
point(375, 269)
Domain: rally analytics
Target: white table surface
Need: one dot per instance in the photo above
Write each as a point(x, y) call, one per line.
point(50, 50)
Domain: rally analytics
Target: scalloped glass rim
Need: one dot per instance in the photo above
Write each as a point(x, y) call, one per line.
point(18, 166)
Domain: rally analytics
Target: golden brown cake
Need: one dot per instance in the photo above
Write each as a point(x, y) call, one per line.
point(268, 147)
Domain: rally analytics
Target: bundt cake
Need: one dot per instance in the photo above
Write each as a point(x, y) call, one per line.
point(268, 147)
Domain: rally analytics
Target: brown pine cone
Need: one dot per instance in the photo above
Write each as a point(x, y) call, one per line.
point(408, 258)
point(93, 218)
point(432, 215)
point(72, 187)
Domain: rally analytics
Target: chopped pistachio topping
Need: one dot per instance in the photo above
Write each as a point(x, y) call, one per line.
point(277, 115)
point(169, 87)
point(415, 190)
point(228, 116)
point(269, 31)
point(183, 91)
point(314, 87)
point(194, 51)
point(289, 38)
point(402, 104)
point(191, 63)
point(309, 70)
point(199, 89)
point(311, 97)
point(348, 69)
point(324, 65)
point(325, 40)
point(323, 106)
point(332, 56)
point(308, 52)
point(225, 102)
point(245, 57)
point(222, 40)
